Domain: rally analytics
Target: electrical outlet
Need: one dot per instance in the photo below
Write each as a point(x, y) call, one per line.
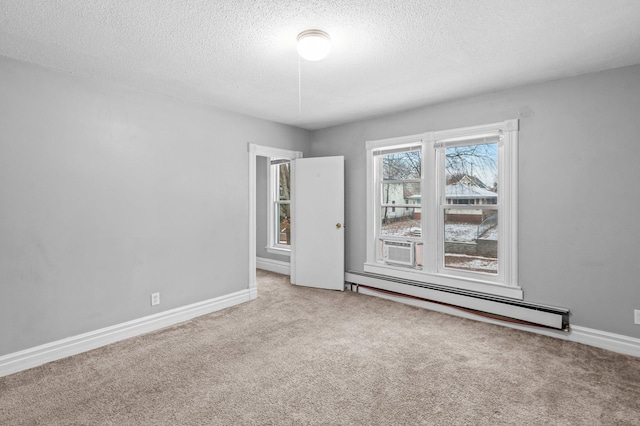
point(636, 316)
point(155, 299)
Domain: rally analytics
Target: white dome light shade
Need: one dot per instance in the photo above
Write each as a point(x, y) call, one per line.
point(313, 45)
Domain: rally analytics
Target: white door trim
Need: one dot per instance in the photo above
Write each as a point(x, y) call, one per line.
point(259, 151)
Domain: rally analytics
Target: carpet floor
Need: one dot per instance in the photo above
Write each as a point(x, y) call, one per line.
point(304, 356)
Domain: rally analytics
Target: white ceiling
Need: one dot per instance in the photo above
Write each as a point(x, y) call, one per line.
point(387, 55)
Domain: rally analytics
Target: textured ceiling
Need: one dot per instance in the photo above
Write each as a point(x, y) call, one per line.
point(387, 55)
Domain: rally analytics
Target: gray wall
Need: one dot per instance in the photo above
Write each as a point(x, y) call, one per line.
point(262, 230)
point(108, 195)
point(579, 193)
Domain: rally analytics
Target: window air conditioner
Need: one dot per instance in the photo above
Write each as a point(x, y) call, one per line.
point(398, 252)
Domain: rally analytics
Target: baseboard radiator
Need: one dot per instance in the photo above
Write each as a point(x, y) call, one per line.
point(495, 307)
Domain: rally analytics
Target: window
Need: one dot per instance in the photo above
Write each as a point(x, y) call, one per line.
point(468, 205)
point(442, 208)
point(279, 206)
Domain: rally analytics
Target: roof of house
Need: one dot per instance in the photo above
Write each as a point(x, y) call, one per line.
point(471, 180)
point(460, 190)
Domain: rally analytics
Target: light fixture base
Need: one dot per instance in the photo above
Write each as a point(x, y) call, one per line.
point(314, 45)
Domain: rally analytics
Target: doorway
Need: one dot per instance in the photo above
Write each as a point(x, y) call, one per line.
point(254, 152)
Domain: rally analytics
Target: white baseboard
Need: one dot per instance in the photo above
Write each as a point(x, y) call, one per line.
point(271, 265)
point(33, 357)
point(605, 340)
point(588, 336)
point(253, 293)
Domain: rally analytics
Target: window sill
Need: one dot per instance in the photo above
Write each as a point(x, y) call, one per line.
point(445, 280)
point(279, 250)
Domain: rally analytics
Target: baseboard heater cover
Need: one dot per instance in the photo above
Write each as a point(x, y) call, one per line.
point(532, 313)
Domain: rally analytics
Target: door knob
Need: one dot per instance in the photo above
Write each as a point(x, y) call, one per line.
point(338, 225)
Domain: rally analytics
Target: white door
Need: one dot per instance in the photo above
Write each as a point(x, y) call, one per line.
point(317, 251)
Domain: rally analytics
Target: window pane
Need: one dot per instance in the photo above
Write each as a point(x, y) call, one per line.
point(402, 165)
point(471, 174)
point(400, 221)
point(400, 193)
point(284, 181)
point(471, 240)
point(283, 227)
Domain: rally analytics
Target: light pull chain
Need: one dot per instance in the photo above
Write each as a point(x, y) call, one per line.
point(299, 87)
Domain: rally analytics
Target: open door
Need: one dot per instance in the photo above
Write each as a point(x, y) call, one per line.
point(317, 252)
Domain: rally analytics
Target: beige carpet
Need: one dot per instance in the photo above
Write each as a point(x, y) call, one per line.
point(306, 356)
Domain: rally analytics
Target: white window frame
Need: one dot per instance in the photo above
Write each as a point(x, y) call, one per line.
point(505, 283)
point(378, 197)
point(273, 245)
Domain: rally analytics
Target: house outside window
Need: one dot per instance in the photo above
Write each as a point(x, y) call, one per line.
point(454, 194)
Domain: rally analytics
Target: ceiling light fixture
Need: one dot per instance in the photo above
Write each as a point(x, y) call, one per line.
point(314, 45)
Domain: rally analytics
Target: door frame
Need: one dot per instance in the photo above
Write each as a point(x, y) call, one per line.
point(254, 152)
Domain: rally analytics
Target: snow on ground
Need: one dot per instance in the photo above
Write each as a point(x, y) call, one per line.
point(471, 263)
point(490, 234)
point(402, 228)
point(456, 232)
point(460, 232)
